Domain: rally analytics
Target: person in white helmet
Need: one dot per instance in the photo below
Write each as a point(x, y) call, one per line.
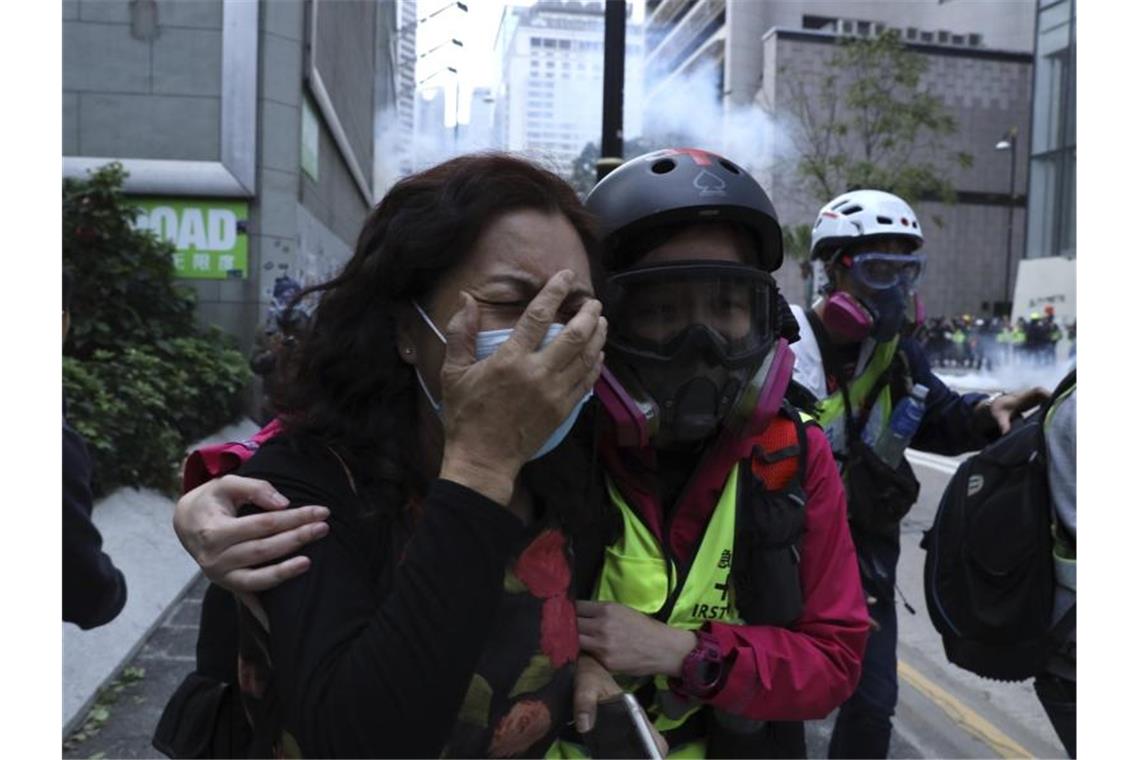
point(853, 357)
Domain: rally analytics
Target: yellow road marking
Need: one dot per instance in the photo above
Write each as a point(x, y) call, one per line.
point(963, 716)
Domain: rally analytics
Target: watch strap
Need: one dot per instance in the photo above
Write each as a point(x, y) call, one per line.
point(703, 668)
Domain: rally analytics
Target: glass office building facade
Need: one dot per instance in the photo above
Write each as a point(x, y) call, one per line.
point(1052, 218)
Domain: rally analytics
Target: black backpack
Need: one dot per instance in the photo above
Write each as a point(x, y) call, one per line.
point(989, 575)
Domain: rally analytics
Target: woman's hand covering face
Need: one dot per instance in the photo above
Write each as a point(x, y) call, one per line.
point(499, 411)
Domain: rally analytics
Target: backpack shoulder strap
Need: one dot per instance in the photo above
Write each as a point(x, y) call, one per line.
point(779, 453)
point(827, 352)
point(894, 375)
point(214, 461)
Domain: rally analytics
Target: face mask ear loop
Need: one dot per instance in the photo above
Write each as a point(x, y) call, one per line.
point(423, 386)
point(420, 378)
point(430, 324)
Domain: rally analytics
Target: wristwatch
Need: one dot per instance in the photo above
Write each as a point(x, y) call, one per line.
point(703, 667)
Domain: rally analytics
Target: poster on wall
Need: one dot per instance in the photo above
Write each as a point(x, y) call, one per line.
point(208, 235)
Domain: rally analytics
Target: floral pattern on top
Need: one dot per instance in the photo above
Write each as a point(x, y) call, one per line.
point(521, 693)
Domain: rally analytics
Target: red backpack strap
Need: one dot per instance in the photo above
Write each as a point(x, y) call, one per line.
point(779, 453)
point(209, 462)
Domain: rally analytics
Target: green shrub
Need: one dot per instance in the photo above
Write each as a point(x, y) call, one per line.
point(142, 381)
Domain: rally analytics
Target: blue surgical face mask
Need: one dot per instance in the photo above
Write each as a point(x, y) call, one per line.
point(486, 343)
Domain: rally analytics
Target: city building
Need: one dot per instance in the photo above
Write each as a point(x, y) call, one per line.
point(748, 60)
point(550, 101)
point(432, 142)
point(479, 132)
point(404, 61)
point(684, 37)
point(1046, 277)
point(257, 119)
point(1052, 220)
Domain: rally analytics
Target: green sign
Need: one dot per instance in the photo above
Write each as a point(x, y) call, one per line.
point(310, 141)
point(208, 235)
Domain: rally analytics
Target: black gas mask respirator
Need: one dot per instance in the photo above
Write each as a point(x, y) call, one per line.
point(689, 341)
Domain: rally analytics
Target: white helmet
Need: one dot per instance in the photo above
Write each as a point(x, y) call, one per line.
point(862, 214)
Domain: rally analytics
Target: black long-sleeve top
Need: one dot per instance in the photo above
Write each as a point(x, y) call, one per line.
point(94, 590)
point(374, 647)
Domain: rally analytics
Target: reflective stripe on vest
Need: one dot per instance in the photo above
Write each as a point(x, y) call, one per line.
point(636, 573)
point(832, 413)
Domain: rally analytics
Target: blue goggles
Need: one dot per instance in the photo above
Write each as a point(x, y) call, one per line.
point(882, 271)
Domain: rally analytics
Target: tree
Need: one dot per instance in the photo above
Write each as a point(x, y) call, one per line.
point(584, 173)
point(871, 124)
point(141, 379)
point(797, 246)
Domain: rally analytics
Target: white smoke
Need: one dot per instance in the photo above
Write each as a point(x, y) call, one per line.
point(689, 111)
point(1007, 378)
point(692, 109)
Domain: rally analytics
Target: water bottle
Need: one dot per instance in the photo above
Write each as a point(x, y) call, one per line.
point(902, 427)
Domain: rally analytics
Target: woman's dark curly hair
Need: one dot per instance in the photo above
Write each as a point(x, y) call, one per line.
point(344, 382)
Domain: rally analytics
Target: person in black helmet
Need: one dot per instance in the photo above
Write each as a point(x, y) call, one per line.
point(730, 603)
point(727, 597)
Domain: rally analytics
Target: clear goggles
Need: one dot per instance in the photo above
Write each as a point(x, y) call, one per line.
point(663, 312)
point(882, 271)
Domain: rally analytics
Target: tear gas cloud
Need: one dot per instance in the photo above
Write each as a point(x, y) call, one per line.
point(687, 112)
point(692, 110)
point(1007, 378)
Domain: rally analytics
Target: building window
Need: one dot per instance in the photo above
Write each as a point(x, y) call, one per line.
point(820, 23)
point(1051, 218)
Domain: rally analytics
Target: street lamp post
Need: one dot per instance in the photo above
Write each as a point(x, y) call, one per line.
point(452, 41)
point(1009, 142)
point(613, 88)
point(434, 74)
point(410, 28)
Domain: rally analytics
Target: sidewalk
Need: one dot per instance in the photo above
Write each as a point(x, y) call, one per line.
point(122, 721)
point(137, 534)
point(167, 655)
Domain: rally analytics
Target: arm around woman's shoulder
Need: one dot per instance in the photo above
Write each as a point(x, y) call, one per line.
point(365, 676)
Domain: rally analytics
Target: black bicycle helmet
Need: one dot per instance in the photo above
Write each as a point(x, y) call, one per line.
point(678, 185)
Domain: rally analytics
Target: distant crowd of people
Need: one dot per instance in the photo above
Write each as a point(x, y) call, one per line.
point(977, 343)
